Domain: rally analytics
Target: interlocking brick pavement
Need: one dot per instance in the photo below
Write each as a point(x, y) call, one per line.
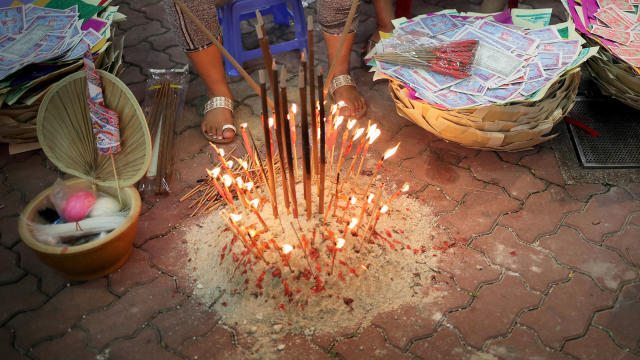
point(534, 267)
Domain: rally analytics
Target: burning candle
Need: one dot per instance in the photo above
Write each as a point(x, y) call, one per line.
point(352, 224)
point(332, 139)
point(228, 181)
point(365, 203)
point(404, 189)
point(352, 201)
point(220, 153)
point(374, 135)
point(254, 208)
point(382, 210)
point(286, 250)
point(345, 137)
point(239, 230)
point(292, 127)
point(338, 245)
point(387, 154)
point(240, 184)
point(245, 138)
point(347, 150)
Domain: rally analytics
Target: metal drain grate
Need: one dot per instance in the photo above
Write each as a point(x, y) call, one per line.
point(618, 145)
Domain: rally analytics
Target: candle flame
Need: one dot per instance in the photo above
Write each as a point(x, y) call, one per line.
point(235, 217)
point(353, 200)
point(243, 125)
point(221, 151)
point(374, 135)
point(227, 180)
point(230, 164)
point(353, 223)
point(371, 196)
point(255, 203)
point(338, 122)
point(252, 233)
point(405, 188)
point(286, 248)
point(363, 267)
point(339, 243)
point(270, 122)
point(371, 129)
point(389, 153)
point(210, 173)
point(215, 172)
point(244, 164)
point(341, 103)
point(351, 123)
point(384, 209)
point(359, 133)
point(334, 108)
point(239, 181)
point(294, 108)
point(249, 185)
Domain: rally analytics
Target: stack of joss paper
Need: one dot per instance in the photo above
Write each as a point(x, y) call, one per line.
point(39, 45)
point(512, 63)
point(613, 23)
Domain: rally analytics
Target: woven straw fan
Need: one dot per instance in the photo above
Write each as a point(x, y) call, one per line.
point(64, 131)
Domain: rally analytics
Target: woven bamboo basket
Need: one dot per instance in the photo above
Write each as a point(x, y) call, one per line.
point(510, 127)
point(65, 133)
point(614, 77)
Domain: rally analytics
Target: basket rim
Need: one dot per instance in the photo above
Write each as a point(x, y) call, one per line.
point(123, 182)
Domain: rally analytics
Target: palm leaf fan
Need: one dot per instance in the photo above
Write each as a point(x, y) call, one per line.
point(66, 136)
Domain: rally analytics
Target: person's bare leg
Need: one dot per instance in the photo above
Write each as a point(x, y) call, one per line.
point(492, 6)
point(348, 94)
point(210, 66)
point(384, 15)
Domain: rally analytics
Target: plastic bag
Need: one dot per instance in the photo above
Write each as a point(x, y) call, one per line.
point(73, 203)
point(164, 102)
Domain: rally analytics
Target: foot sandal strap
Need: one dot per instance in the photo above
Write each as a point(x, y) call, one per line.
point(340, 81)
point(218, 102)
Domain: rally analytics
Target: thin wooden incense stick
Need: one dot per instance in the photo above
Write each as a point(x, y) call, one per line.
point(306, 151)
point(263, 40)
point(287, 138)
point(268, 143)
point(311, 81)
point(323, 159)
point(282, 152)
point(224, 51)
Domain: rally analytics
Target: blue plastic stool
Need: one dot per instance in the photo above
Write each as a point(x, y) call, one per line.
point(239, 10)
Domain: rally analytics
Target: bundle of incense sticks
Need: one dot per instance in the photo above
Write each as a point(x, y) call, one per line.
point(453, 59)
point(162, 122)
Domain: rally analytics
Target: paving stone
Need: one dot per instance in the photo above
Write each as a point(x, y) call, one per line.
point(13, 204)
point(369, 344)
point(468, 267)
point(583, 191)
point(61, 312)
point(158, 220)
point(298, 347)
point(189, 171)
point(137, 270)
point(134, 16)
point(627, 244)
point(633, 188)
point(131, 75)
point(145, 57)
point(190, 320)
point(189, 143)
point(545, 165)
point(9, 231)
point(546, 208)
point(9, 270)
point(190, 119)
point(156, 11)
point(30, 177)
point(170, 254)
point(160, 42)
point(478, 213)
point(146, 345)
point(522, 344)
point(50, 281)
point(455, 181)
point(517, 180)
point(69, 346)
point(535, 266)
point(493, 311)
point(599, 218)
point(20, 296)
point(435, 199)
point(604, 265)
point(515, 156)
point(394, 178)
point(597, 345)
point(413, 141)
point(624, 319)
point(137, 306)
point(6, 349)
point(445, 345)
point(219, 342)
point(139, 33)
point(324, 340)
point(439, 296)
point(635, 219)
point(451, 152)
point(566, 311)
point(177, 55)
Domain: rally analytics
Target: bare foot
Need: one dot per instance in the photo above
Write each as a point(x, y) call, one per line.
point(213, 121)
point(353, 101)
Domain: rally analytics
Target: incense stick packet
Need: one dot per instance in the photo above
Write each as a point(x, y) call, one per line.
point(163, 104)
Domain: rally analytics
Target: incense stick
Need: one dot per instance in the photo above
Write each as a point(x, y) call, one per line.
point(323, 159)
point(287, 139)
point(311, 81)
point(268, 141)
point(279, 139)
point(306, 151)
